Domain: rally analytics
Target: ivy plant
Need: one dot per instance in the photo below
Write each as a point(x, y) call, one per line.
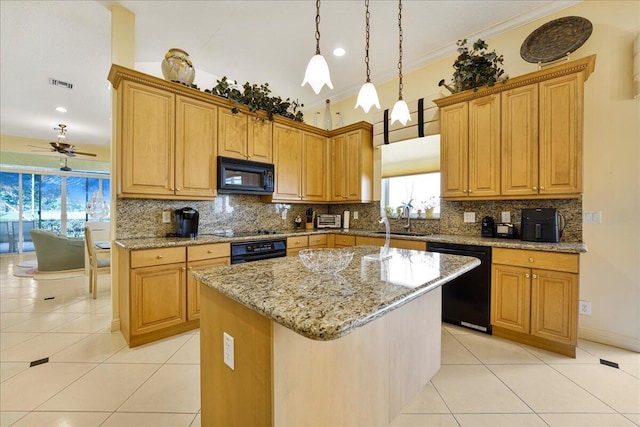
point(475, 68)
point(257, 97)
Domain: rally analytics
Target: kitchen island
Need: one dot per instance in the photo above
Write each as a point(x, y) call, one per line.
point(281, 345)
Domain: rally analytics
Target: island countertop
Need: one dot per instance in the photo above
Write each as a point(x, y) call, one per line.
point(325, 307)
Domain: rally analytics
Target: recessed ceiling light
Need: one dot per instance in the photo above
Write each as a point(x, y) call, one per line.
point(339, 51)
point(61, 109)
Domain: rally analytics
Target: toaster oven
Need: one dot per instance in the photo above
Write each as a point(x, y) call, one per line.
point(328, 221)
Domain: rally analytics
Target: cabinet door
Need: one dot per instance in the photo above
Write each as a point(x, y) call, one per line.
point(520, 141)
point(158, 297)
point(561, 135)
point(232, 134)
point(511, 297)
point(260, 142)
point(314, 167)
point(287, 158)
point(354, 166)
point(554, 305)
point(193, 286)
point(484, 146)
point(339, 165)
point(147, 143)
point(454, 165)
point(196, 136)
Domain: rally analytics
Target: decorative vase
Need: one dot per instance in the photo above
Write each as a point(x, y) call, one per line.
point(177, 67)
point(327, 116)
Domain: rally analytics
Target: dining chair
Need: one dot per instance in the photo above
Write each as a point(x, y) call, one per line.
point(96, 263)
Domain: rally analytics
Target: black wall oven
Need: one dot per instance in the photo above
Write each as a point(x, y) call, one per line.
point(245, 176)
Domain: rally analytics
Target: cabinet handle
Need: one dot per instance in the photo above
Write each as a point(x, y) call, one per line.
point(159, 257)
point(190, 268)
point(530, 259)
point(535, 276)
point(210, 251)
point(470, 191)
point(542, 187)
point(526, 275)
point(185, 269)
point(535, 188)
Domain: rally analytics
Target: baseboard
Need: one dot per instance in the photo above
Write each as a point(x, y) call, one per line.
point(115, 325)
point(606, 337)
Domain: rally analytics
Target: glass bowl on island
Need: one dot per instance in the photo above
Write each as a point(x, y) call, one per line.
point(326, 260)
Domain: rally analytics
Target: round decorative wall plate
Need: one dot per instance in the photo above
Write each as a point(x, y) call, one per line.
point(556, 39)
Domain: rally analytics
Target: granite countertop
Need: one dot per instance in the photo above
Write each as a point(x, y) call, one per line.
point(325, 307)
point(161, 242)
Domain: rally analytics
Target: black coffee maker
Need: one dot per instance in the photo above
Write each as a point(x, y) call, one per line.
point(187, 222)
point(488, 227)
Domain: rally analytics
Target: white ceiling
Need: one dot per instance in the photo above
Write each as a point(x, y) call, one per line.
point(254, 41)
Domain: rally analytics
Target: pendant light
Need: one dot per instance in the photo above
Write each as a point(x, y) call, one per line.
point(317, 74)
point(368, 96)
point(400, 110)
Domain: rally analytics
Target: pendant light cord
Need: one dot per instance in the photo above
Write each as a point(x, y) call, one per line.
point(366, 49)
point(400, 48)
point(317, 27)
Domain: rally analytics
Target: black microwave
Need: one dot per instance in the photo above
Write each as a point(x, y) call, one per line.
point(244, 176)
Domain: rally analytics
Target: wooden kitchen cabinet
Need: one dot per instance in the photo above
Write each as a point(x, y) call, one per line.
point(300, 160)
point(341, 241)
point(470, 148)
point(200, 257)
point(157, 295)
point(524, 143)
point(297, 243)
point(534, 298)
point(166, 144)
point(393, 243)
point(351, 154)
point(244, 136)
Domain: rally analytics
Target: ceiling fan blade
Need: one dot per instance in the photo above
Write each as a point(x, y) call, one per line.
point(84, 154)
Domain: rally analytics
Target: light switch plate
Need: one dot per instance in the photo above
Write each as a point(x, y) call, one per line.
point(505, 217)
point(469, 217)
point(166, 216)
point(229, 356)
point(355, 214)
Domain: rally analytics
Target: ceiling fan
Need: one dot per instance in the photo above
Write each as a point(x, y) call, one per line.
point(62, 147)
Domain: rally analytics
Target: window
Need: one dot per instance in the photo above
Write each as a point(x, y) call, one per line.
point(411, 175)
point(422, 191)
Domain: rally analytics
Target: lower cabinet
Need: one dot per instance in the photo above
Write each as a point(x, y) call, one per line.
point(201, 257)
point(298, 243)
point(534, 298)
point(157, 297)
point(393, 243)
point(341, 241)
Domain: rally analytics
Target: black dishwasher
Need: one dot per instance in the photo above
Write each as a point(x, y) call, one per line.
point(466, 300)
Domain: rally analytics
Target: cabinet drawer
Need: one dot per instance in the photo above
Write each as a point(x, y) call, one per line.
point(345, 240)
point(369, 241)
point(297, 242)
point(318, 240)
point(537, 259)
point(408, 244)
point(151, 257)
point(215, 250)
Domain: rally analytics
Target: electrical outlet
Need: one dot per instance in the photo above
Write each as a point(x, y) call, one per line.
point(505, 216)
point(592, 217)
point(469, 217)
point(284, 214)
point(229, 356)
point(585, 308)
point(355, 214)
point(166, 217)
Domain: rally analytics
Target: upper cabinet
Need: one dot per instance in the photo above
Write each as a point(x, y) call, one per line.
point(168, 137)
point(522, 139)
point(244, 136)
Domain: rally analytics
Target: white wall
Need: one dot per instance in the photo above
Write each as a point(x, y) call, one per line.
point(610, 271)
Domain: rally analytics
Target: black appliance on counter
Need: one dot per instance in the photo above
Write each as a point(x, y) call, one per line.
point(245, 176)
point(541, 225)
point(488, 227)
point(187, 222)
point(466, 300)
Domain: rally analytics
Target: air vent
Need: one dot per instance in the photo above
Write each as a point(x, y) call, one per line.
point(55, 82)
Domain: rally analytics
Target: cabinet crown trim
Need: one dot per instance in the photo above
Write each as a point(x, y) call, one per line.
point(585, 65)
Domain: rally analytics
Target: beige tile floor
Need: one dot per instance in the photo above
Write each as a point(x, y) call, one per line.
point(94, 379)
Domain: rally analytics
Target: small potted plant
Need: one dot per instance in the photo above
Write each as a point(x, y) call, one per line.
point(475, 68)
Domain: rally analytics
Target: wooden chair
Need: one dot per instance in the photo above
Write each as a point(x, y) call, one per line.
point(96, 263)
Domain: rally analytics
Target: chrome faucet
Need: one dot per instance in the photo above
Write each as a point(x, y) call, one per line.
point(407, 226)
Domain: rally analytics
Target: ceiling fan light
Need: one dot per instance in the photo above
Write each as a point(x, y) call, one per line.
point(317, 74)
point(400, 112)
point(367, 97)
point(61, 109)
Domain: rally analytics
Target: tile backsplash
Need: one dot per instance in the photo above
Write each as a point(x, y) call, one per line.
point(143, 218)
